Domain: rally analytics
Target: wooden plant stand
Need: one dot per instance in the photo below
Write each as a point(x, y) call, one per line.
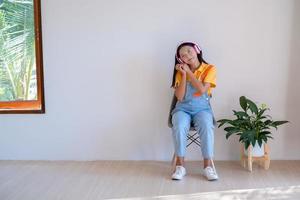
point(263, 161)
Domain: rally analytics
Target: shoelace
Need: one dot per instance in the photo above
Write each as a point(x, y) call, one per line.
point(211, 171)
point(178, 171)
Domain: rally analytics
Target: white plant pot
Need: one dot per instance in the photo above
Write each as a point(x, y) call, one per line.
point(256, 151)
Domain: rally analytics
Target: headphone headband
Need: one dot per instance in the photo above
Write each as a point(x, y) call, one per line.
point(196, 47)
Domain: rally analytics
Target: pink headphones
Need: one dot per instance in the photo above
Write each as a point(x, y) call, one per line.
point(196, 47)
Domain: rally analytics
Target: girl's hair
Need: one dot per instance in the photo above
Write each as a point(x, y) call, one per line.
point(199, 55)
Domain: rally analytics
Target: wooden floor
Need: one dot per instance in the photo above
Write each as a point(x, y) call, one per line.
point(72, 180)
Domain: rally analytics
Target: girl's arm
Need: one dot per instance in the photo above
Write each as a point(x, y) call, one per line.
point(199, 85)
point(180, 90)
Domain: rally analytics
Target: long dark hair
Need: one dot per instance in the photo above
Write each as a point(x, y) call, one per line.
point(199, 55)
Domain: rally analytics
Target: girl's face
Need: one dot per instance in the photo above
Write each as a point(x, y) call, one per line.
point(188, 55)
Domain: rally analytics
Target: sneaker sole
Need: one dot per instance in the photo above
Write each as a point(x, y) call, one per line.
point(177, 179)
point(213, 179)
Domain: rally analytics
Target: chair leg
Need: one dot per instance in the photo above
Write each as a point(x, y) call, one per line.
point(174, 159)
point(213, 165)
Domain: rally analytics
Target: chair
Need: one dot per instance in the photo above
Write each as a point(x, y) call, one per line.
point(192, 136)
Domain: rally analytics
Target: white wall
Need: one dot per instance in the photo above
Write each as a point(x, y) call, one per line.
point(108, 68)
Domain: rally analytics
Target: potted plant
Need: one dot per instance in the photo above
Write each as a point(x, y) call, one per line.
point(251, 124)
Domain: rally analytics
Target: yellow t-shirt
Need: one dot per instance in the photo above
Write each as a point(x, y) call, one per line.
point(206, 73)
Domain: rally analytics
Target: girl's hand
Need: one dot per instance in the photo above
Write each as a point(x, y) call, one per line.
point(186, 68)
point(179, 67)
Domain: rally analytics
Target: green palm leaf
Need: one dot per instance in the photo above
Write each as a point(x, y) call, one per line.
point(17, 51)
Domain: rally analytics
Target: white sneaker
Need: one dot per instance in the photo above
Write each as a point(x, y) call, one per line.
point(179, 173)
point(210, 174)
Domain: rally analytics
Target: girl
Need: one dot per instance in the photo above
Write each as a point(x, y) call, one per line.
point(193, 80)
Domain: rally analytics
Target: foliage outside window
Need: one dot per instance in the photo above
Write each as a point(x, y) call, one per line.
point(21, 77)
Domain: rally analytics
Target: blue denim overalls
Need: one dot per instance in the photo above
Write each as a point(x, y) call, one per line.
point(195, 109)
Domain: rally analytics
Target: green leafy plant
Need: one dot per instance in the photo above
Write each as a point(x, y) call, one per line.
point(251, 123)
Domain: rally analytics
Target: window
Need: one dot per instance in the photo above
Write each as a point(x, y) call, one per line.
point(21, 66)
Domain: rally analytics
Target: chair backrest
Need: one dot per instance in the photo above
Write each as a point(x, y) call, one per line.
point(173, 104)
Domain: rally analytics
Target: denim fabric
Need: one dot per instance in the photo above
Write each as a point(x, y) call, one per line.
point(196, 110)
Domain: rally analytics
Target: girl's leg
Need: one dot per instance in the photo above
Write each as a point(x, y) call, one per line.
point(181, 125)
point(203, 122)
point(207, 162)
point(179, 161)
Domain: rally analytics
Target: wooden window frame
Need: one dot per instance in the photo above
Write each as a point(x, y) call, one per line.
point(31, 106)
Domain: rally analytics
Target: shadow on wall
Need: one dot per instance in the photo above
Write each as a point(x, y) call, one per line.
point(292, 93)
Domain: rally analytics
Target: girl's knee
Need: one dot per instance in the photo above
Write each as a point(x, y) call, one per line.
point(205, 127)
point(181, 120)
point(180, 128)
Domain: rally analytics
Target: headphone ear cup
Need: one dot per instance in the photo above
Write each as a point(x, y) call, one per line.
point(178, 59)
point(197, 48)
